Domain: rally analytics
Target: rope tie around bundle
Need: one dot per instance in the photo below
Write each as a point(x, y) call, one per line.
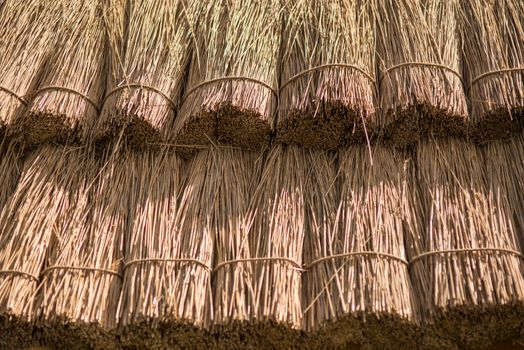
point(169, 101)
point(167, 260)
point(68, 90)
point(388, 71)
point(231, 78)
point(467, 251)
point(14, 95)
point(79, 268)
point(378, 255)
point(493, 72)
point(294, 264)
point(21, 273)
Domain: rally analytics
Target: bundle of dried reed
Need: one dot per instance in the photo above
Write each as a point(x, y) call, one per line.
point(494, 56)
point(73, 82)
point(328, 78)
point(11, 164)
point(27, 31)
point(357, 283)
point(231, 91)
point(167, 280)
point(81, 282)
point(420, 81)
point(466, 265)
point(149, 60)
point(38, 209)
point(267, 260)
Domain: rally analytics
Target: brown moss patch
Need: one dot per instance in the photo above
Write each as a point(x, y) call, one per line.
point(199, 130)
point(15, 333)
point(241, 127)
point(62, 335)
point(35, 129)
point(498, 124)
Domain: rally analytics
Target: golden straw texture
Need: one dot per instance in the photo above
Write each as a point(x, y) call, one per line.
point(466, 265)
point(493, 33)
point(39, 208)
point(149, 61)
point(420, 70)
point(153, 302)
point(27, 29)
point(11, 164)
point(232, 83)
point(73, 81)
point(81, 282)
point(327, 95)
point(357, 284)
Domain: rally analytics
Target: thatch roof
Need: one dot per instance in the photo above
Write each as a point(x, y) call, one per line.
point(280, 174)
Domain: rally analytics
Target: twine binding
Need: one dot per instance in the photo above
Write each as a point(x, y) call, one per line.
point(329, 65)
point(232, 78)
point(15, 95)
point(15, 272)
point(420, 64)
point(355, 254)
point(79, 268)
point(467, 250)
point(160, 260)
point(295, 265)
point(71, 91)
point(494, 72)
point(169, 101)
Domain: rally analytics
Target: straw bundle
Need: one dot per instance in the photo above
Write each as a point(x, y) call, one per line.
point(494, 55)
point(11, 164)
point(163, 302)
point(27, 30)
point(328, 78)
point(232, 83)
point(38, 209)
point(420, 71)
point(81, 282)
point(149, 61)
point(357, 284)
point(466, 264)
point(72, 83)
point(269, 263)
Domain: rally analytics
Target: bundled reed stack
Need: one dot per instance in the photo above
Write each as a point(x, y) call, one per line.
point(27, 32)
point(39, 208)
point(149, 59)
point(81, 281)
point(11, 164)
point(467, 264)
point(231, 92)
point(73, 81)
point(266, 307)
point(327, 96)
point(357, 281)
point(494, 56)
point(420, 81)
point(166, 301)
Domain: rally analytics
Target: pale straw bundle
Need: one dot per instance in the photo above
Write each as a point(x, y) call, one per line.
point(149, 62)
point(274, 231)
point(27, 31)
point(153, 291)
point(39, 208)
point(73, 81)
point(11, 164)
point(180, 286)
point(231, 92)
point(81, 281)
point(357, 280)
point(327, 96)
point(493, 33)
point(466, 265)
point(420, 77)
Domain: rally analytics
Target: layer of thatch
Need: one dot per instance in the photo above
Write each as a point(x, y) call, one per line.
point(149, 59)
point(327, 95)
point(493, 33)
point(357, 287)
point(27, 31)
point(11, 164)
point(420, 82)
point(81, 281)
point(466, 265)
point(73, 80)
point(166, 291)
point(231, 94)
point(39, 208)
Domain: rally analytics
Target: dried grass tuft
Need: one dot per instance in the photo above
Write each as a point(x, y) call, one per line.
point(73, 80)
point(149, 59)
point(357, 287)
point(39, 208)
point(27, 30)
point(327, 96)
point(420, 70)
point(232, 83)
point(11, 164)
point(466, 265)
point(493, 33)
